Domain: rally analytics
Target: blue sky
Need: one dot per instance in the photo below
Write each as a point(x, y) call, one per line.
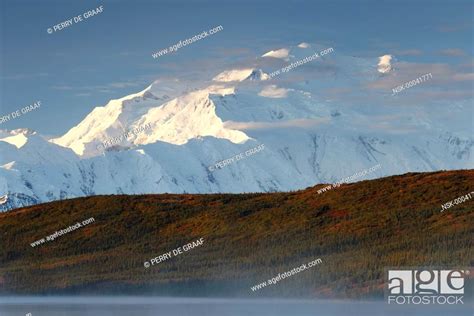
point(109, 55)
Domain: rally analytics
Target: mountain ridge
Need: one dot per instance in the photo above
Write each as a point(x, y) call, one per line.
point(308, 139)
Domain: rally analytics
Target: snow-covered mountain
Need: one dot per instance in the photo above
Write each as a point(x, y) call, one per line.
point(194, 125)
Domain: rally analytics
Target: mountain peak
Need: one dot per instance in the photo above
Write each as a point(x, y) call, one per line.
point(241, 75)
point(17, 137)
point(281, 53)
point(23, 131)
point(17, 140)
point(258, 74)
point(187, 114)
point(385, 64)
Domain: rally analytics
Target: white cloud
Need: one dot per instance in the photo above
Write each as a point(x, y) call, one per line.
point(442, 74)
point(464, 77)
point(102, 88)
point(384, 64)
point(274, 92)
point(298, 123)
point(409, 52)
point(280, 53)
point(303, 45)
point(445, 83)
point(454, 52)
point(122, 84)
point(62, 87)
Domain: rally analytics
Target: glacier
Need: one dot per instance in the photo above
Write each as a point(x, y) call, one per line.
point(308, 138)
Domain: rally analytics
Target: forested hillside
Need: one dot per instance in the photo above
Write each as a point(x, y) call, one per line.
point(357, 230)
